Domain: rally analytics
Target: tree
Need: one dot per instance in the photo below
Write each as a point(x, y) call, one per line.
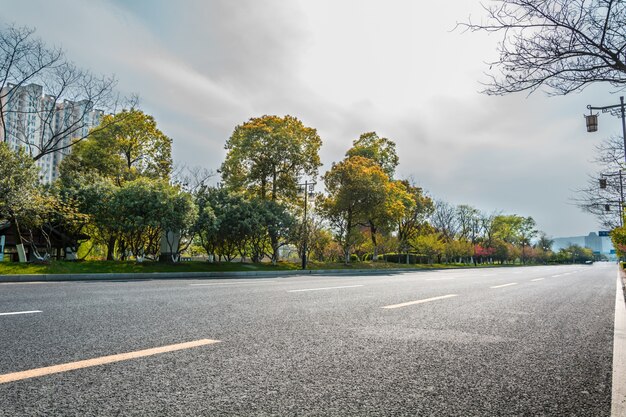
point(562, 45)
point(416, 213)
point(460, 249)
point(18, 185)
point(130, 148)
point(431, 245)
point(444, 220)
point(380, 150)
point(268, 155)
point(591, 198)
point(355, 186)
point(73, 96)
point(526, 232)
point(390, 204)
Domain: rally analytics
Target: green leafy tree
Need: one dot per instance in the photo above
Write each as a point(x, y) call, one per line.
point(418, 208)
point(19, 192)
point(390, 202)
point(268, 155)
point(131, 147)
point(431, 245)
point(354, 186)
point(380, 150)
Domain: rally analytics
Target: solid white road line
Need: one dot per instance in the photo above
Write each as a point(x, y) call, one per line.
point(618, 397)
point(232, 283)
point(537, 279)
point(325, 288)
point(20, 312)
point(426, 300)
point(504, 285)
point(55, 369)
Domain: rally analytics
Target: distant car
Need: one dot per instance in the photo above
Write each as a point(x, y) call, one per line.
point(588, 262)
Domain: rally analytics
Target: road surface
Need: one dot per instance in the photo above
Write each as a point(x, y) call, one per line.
point(533, 341)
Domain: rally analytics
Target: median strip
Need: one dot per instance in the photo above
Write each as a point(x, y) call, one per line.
point(325, 288)
point(504, 285)
point(20, 312)
point(55, 369)
point(426, 300)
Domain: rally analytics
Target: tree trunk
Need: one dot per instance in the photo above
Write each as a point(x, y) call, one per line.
point(374, 243)
point(110, 248)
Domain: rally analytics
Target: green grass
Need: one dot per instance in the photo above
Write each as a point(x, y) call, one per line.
point(84, 267)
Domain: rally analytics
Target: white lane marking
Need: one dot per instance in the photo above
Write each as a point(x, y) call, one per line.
point(426, 300)
point(439, 279)
point(325, 288)
point(20, 312)
point(537, 279)
point(618, 395)
point(488, 275)
point(232, 283)
point(557, 275)
point(55, 369)
point(504, 285)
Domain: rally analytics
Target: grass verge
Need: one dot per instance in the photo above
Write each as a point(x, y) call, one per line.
point(95, 267)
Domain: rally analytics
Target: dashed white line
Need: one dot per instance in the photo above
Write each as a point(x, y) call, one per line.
point(557, 275)
point(426, 300)
point(504, 285)
point(20, 312)
point(231, 283)
point(325, 288)
point(537, 279)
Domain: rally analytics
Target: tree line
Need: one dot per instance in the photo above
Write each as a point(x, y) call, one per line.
point(118, 195)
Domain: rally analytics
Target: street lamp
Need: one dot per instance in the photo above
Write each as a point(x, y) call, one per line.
point(307, 188)
point(591, 120)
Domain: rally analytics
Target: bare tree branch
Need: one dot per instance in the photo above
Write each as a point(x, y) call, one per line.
point(560, 45)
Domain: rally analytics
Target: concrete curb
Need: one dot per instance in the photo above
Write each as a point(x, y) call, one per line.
point(618, 395)
point(199, 275)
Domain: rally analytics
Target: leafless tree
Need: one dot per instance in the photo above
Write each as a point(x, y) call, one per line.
point(444, 220)
point(604, 202)
point(561, 45)
point(192, 178)
point(46, 102)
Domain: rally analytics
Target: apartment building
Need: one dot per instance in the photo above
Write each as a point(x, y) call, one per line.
point(38, 122)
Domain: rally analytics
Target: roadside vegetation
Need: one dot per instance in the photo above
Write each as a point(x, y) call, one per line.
point(120, 203)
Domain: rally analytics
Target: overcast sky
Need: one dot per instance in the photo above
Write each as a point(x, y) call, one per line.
point(344, 67)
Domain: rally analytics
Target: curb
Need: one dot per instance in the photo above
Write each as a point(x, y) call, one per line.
point(618, 395)
point(198, 275)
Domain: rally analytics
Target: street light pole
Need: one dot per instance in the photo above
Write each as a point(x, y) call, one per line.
point(592, 126)
point(308, 187)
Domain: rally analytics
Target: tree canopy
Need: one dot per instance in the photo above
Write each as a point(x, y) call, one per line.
point(561, 45)
point(268, 155)
point(130, 148)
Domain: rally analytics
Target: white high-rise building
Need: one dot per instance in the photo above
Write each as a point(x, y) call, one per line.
point(37, 122)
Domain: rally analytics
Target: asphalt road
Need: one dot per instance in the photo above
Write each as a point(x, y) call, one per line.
point(535, 341)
